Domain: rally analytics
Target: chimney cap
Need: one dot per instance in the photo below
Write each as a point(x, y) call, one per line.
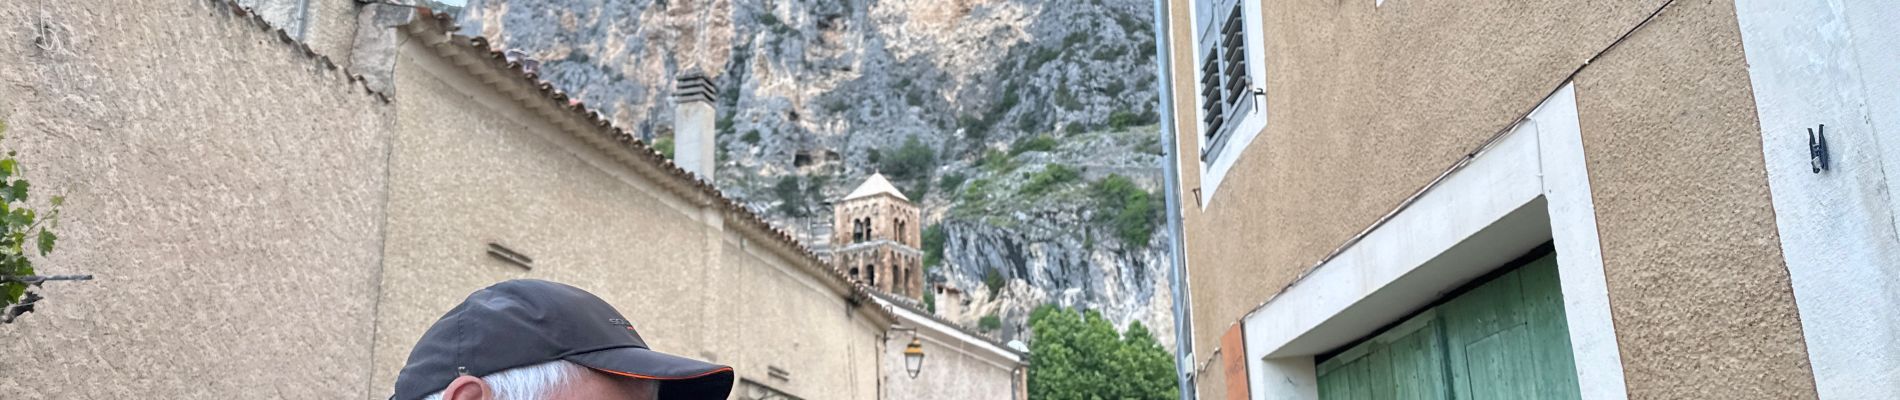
point(694, 86)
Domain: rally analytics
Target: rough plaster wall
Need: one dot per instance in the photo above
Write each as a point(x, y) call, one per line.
point(1367, 105)
point(1698, 290)
point(327, 25)
point(771, 316)
point(468, 169)
point(226, 193)
point(1820, 62)
point(948, 374)
point(465, 173)
point(1211, 384)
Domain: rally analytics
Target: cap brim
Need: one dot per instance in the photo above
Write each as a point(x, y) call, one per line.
point(680, 378)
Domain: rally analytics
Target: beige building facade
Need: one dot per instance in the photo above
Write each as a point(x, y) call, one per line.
point(1348, 173)
point(268, 217)
point(959, 362)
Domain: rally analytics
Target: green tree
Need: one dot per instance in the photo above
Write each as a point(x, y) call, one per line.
point(791, 196)
point(23, 227)
point(989, 323)
point(994, 281)
point(1049, 177)
point(664, 145)
point(1032, 143)
point(934, 237)
point(1132, 211)
point(950, 181)
point(909, 162)
point(1080, 356)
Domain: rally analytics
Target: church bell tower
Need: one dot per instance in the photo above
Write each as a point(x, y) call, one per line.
point(876, 236)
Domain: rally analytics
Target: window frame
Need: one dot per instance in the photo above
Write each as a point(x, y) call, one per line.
point(1227, 147)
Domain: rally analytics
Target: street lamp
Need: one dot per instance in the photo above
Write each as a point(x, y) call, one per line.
point(913, 352)
point(914, 356)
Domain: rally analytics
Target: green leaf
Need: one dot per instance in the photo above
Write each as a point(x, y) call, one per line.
point(7, 166)
point(59, 201)
point(46, 241)
point(20, 219)
point(10, 293)
point(19, 190)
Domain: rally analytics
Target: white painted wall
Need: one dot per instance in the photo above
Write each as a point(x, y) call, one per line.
point(1835, 62)
point(1530, 186)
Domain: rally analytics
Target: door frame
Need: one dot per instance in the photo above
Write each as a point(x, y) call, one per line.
point(1529, 187)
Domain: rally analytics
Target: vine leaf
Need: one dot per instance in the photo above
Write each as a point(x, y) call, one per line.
point(46, 241)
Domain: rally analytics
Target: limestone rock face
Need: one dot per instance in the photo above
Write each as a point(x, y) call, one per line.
point(818, 94)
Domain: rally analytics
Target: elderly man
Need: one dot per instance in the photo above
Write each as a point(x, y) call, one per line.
point(539, 340)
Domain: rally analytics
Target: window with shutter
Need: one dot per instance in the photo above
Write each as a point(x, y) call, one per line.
point(1227, 82)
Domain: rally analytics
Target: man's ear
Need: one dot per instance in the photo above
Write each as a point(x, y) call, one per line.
point(467, 388)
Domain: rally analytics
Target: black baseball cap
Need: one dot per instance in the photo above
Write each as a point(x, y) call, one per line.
point(525, 322)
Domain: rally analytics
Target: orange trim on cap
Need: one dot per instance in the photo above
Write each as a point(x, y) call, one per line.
point(657, 378)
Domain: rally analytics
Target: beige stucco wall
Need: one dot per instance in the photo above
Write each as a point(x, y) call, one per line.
point(953, 370)
point(328, 26)
point(1367, 104)
point(767, 316)
point(469, 168)
point(1698, 290)
point(224, 190)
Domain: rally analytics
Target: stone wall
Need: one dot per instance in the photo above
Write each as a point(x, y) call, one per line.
point(884, 266)
point(224, 187)
point(886, 213)
point(261, 224)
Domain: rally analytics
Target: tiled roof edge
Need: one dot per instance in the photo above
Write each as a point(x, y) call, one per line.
point(907, 304)
point(231, 8)
point(684, 182)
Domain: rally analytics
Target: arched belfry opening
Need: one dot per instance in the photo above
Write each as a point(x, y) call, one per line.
point(876, 235)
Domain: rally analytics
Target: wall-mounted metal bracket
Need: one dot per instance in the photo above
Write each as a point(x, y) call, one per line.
point(506, 254)
point(1817, 148)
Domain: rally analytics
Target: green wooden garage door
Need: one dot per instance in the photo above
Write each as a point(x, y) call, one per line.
point(1504, 339)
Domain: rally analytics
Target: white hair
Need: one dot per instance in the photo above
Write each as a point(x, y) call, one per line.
point(532, 382)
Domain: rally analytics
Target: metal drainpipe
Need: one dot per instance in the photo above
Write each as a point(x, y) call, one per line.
point(303, 20)
point(1171, 178)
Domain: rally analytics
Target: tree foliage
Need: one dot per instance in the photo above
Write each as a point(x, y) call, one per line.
point(1049, 177)
point(934, 237)
point(994, 281)
point(1032, 143)
point(1080, 356)
point(664, 145)
point(26, 231)
point(1131, 210)
point(791, 196)
point(909, 162)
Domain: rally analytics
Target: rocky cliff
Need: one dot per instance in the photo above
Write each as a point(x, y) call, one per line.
point(1024, 126)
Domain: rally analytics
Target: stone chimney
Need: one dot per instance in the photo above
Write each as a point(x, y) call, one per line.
point(949, 301)
point(693, 129)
